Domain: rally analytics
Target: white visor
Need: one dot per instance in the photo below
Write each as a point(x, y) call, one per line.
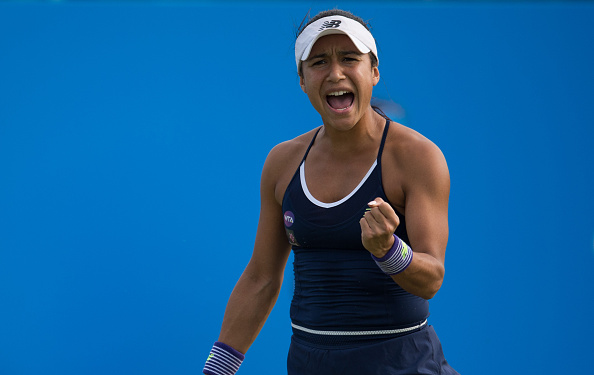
point(360, 36)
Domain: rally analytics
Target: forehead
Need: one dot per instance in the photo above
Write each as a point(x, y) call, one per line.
point(334, 42)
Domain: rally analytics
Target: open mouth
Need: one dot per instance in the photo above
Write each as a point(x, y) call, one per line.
point(340, 100)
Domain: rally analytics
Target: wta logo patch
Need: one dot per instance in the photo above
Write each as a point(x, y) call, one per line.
point(330, 24)
point(289, 219)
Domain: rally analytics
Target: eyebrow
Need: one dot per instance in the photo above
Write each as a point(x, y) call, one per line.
point(341, 53)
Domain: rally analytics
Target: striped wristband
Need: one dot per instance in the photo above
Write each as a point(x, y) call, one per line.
point(222, 360)
point(396, 259)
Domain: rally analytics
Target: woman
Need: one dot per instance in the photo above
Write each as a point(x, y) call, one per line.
point(339, 196)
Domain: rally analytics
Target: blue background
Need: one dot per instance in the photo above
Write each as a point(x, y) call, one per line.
point(132, 137)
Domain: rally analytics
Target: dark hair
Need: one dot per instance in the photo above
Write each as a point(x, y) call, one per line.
point(333, 12)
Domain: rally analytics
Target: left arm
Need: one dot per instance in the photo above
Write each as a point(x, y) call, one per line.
point(426, 190)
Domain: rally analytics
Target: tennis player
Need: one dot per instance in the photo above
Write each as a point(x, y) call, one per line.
point(363, 203)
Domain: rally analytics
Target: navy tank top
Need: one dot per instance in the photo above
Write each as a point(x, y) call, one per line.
point(338, 286)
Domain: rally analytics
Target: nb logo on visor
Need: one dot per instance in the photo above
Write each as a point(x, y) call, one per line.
point(329, 24)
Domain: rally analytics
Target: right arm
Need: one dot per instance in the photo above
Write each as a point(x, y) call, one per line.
point(258, 287)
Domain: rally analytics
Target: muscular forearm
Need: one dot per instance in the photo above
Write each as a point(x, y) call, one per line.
point(423, 274)
point(423, 277)
point(250, 304)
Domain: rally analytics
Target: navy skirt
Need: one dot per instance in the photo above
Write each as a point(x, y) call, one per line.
point(418, 352)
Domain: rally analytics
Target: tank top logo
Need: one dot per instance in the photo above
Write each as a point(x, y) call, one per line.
point(289, 219)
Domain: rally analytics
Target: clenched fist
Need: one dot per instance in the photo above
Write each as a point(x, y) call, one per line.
point(377, 227)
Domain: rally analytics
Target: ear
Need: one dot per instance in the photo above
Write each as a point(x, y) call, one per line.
point(376, 75)
point(302, 83)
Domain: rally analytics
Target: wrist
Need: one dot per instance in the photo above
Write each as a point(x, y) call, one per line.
point(382, 252)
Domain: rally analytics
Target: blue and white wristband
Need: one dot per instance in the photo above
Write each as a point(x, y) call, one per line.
point(223, 360)
point(396, 259)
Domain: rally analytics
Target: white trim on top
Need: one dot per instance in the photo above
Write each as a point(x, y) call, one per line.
point(333, 204)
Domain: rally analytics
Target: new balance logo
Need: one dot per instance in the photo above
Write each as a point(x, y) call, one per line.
point(329, 24)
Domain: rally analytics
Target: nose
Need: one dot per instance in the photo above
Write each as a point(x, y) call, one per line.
point(335, 74)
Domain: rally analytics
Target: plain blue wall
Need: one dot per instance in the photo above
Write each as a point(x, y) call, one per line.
point(132, 136)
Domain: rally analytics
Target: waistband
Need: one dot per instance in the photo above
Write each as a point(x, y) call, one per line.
point(346, 338)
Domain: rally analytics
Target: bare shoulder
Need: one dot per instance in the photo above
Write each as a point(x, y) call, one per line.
point(282, 162)
point(412, 146)
point(288, 153)
point(417, 159)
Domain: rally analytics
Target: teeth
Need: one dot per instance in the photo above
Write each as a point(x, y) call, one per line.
point(338, 93)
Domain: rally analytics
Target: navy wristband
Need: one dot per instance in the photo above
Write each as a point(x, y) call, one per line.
point(223, 360)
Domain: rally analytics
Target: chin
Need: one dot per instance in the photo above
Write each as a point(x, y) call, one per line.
point(344, 124)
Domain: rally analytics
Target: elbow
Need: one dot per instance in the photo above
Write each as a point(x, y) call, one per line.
point(265, 284)
point(434, 285)
point(430, 292)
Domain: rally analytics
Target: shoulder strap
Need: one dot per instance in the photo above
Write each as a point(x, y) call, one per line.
point(311, 144)
point(379, 159)
point(384, 136)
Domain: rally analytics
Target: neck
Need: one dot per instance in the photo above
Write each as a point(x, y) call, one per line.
point(359, 137)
